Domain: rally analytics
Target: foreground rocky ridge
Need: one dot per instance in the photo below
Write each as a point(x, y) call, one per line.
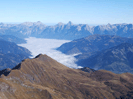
point(45, 78)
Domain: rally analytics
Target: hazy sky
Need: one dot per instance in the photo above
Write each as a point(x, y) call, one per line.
point(77, 11)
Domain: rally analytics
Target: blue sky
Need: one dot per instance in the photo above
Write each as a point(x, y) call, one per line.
point(77, 11)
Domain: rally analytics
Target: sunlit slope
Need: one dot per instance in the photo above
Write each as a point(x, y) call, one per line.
point(45, 78)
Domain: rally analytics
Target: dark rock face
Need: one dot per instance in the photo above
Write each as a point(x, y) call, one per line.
point(5, 72)
point(87, 69)
point(117, 59)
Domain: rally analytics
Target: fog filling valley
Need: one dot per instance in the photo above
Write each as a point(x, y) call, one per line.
point(48, 47)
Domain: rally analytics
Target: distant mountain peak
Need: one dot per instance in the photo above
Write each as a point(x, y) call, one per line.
point(32, 23)
point(108, 24)
point(69, 23)
point(27, 23)
point(60, 23)
point(67, 31)
point(38, 23)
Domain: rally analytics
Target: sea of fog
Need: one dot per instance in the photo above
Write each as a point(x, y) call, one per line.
point(48, 46)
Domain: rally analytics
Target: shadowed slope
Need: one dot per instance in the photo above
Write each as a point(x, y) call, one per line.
point(45, 78)
point(117, 59)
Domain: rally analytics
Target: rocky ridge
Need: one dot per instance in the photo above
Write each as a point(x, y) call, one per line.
point(45, 78)
point(67, 31)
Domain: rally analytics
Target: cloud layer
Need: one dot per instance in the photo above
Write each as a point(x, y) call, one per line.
point(47, 46)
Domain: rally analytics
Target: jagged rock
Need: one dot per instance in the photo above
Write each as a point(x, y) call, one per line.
point(64, 31)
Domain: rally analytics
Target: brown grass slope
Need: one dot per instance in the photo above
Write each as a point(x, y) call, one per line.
point(45, 78)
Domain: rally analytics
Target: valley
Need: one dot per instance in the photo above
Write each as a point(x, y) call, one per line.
point(96, 66)
point(66, 49)
point(48, 46)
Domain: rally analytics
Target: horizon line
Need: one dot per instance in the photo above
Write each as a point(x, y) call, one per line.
point(52, 24)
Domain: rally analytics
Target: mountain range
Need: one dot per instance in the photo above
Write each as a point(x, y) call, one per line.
point(106, 52)
point(11, 54)
point(117, 59)
point(12, 38)
point(92, 44)
point(68, 31)
point(44, 78)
